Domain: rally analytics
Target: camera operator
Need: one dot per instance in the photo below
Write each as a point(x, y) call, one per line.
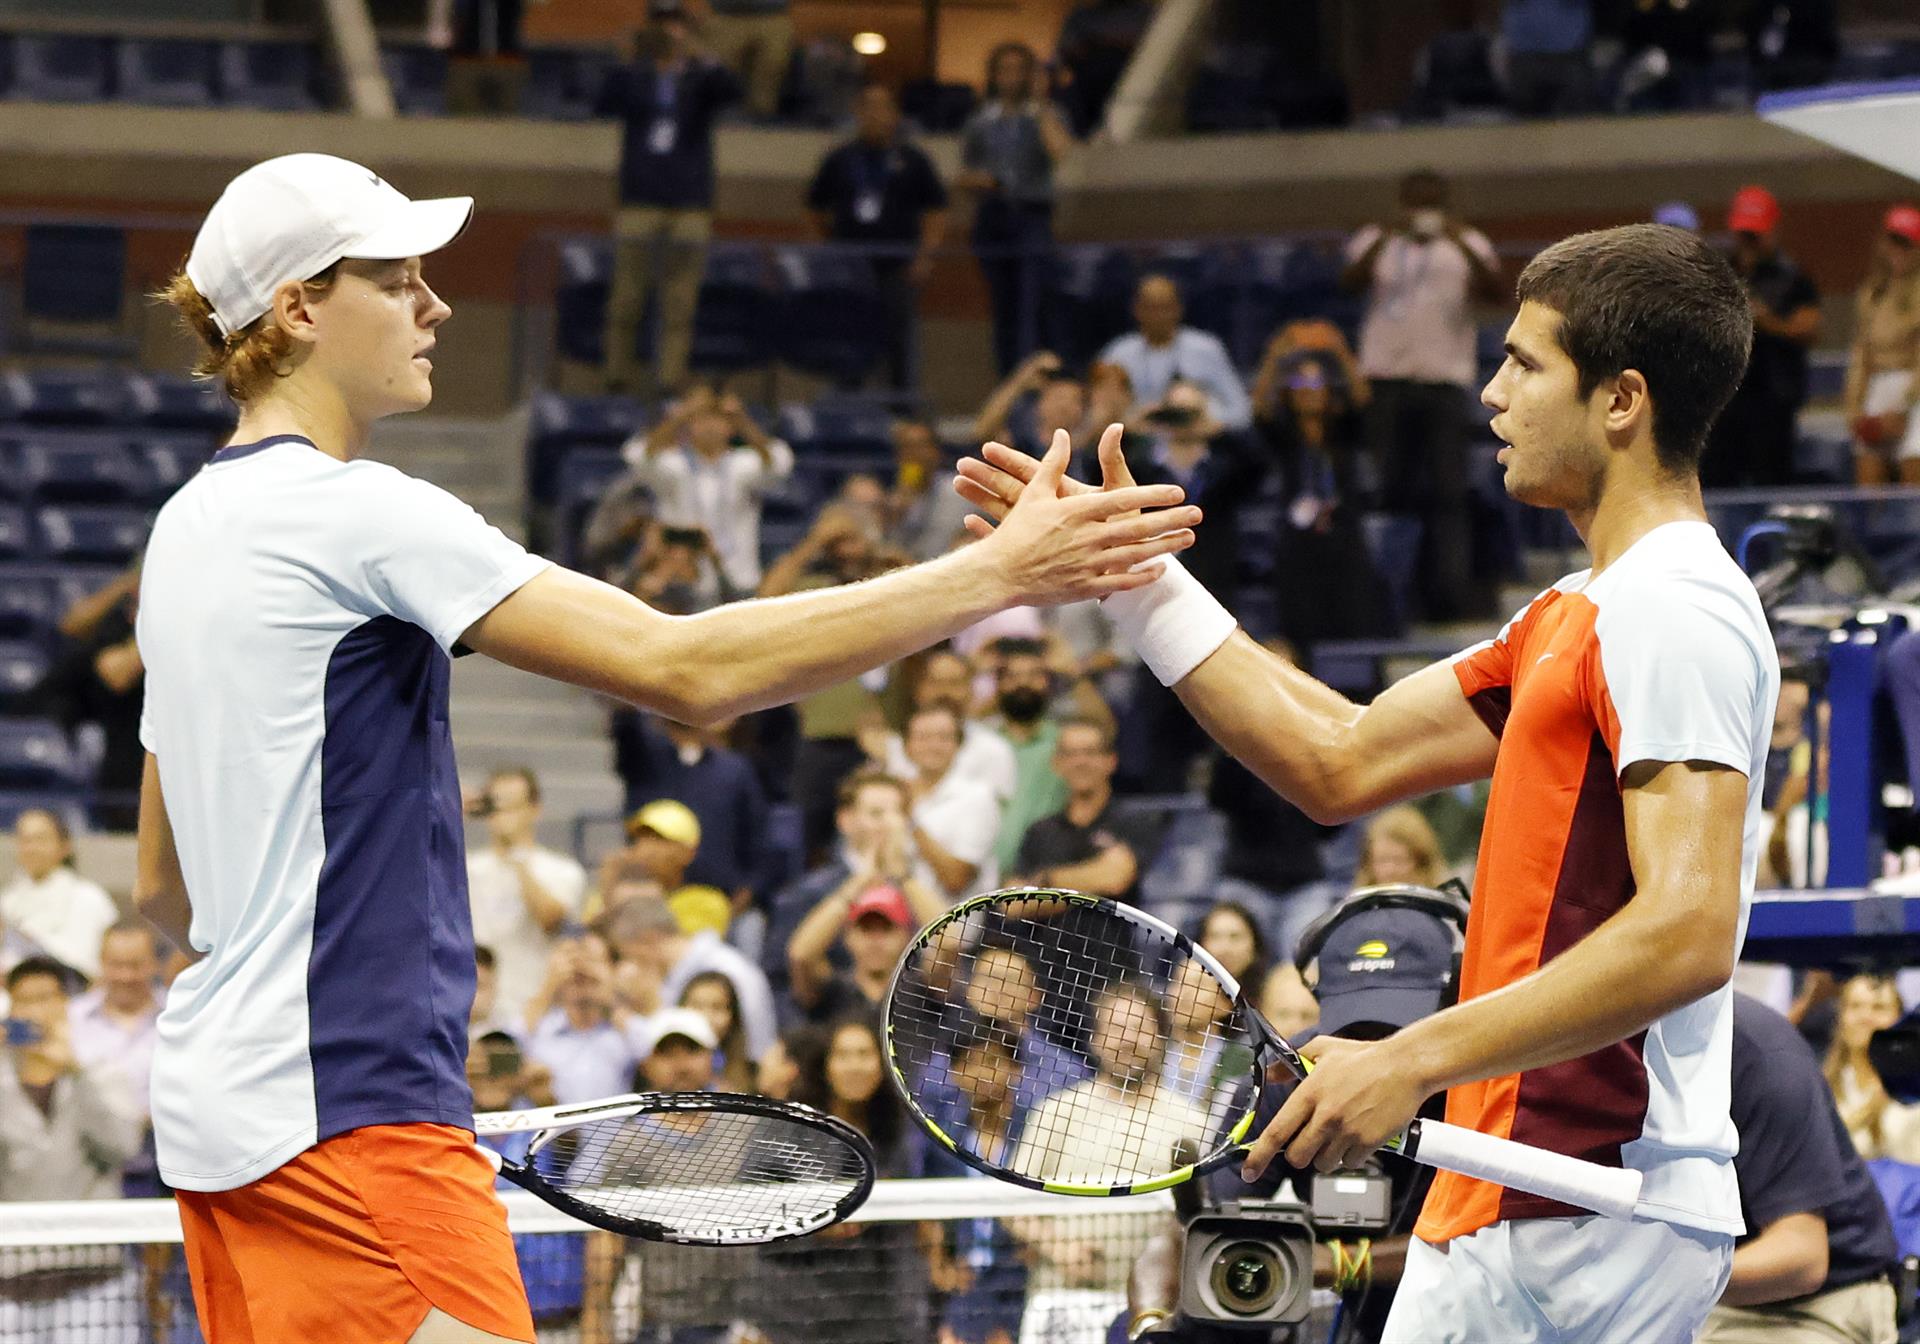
point(1379, 968)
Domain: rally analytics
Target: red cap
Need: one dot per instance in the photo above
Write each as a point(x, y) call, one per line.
point(1903, 221)
point(1754, 210)
point(886, 901)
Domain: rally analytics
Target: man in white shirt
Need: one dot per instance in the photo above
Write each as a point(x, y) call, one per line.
point(984, 756)
point(1422, 274)
point(1163, 350)
point(701, 480)
point(953, 819)
point(522, 893)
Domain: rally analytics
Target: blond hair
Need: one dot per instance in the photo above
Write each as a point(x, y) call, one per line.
point(1841, 1057)
point(1405, 826)
point(246, 362)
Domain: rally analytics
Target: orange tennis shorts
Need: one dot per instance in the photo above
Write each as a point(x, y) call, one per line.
point(353, 1241)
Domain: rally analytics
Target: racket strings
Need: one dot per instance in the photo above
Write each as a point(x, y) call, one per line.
point(710, 1174)
point(1091, 1043)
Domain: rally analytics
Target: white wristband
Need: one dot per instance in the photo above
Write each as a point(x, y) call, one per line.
point(1173, 623)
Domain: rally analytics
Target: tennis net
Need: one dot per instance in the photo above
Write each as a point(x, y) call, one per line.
point(959, 1261)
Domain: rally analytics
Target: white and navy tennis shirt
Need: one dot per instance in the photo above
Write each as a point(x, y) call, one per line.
point(297, 614)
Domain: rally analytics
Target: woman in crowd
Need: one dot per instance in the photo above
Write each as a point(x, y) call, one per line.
point(48, 907)
point(711, 994)
point(795, 1053)
point(1009, 148)
point(1879, 1125)
point(1400, 847)
point(978, 1263)
point(1883, 372)
point(855, 1283)
point(1287, 1003)
point(1231, 933)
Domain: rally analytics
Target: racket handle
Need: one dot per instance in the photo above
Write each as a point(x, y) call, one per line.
point(1611, 1191)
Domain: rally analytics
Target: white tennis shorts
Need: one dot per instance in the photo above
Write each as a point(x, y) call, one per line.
point(1588, 1280)
point(1887, 393)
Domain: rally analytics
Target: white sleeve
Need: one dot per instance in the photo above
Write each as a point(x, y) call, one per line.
point(1358, 244)
point(758, 1018)
point(776, 467)
point(565, 881)
point(1682, 676)
point(417, 553)
point(968, 833)
point(1482, 248)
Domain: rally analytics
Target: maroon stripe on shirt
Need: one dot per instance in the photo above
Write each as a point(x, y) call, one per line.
point(1586, 1107)
point(1493, 705)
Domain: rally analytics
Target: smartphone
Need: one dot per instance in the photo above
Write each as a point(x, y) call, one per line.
point(503, 1063)
point(682, 536)
point(22, 1032)
point(1173, 417)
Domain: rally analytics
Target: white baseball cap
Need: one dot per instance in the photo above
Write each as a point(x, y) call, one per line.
point(673, 1022)
point(292, 217)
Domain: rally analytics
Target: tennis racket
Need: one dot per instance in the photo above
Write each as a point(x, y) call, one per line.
point(1068, 1043)
point(692, 1168)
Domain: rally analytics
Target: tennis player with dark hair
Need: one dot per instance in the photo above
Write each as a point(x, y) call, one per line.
point(1624, 717)
point(300, 820)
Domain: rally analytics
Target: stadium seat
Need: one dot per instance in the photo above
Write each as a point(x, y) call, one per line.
point(419, 79)
point(61, 68)
point(103, 533)
point(583, 477)
point(34, 753)
point(164, 72)
point(169, 462)
point(272, 76)
point(580, 299)
point(16, 533)
point(1088, 293)
point(831, 320)
point(63, 396)
point(29, 609)
point(79, 467)
point(72, 290)
point(171, 402)
point(733, 325)
point(557, 426)
point(847, 427)
point(564, 82)
point(23, 666)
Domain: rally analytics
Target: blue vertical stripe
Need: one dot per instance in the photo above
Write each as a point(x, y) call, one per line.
point(390, 981)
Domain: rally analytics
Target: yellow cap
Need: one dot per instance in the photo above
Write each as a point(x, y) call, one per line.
point(668, 819)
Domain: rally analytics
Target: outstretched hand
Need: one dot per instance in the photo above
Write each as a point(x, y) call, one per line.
point(1059, 540)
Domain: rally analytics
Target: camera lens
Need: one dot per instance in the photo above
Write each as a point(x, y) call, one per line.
point(1248, 1277)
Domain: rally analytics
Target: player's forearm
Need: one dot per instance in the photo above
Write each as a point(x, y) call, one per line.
point(1646, 961)
point(1787, 1259)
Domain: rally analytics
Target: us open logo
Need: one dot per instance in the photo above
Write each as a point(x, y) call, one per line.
point(1371, 955)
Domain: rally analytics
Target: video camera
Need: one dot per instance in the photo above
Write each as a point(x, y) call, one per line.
point(1248, 1264)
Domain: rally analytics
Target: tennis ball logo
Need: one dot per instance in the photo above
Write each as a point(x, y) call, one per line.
point(1372, 949)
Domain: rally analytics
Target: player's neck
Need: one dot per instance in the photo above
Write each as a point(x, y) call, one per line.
point(312, 411)
point(1632, 504)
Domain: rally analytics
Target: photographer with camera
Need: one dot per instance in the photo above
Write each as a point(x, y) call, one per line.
point(1243, 1262)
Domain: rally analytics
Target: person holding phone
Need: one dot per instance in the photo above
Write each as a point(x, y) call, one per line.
point(1422, 272)
point(67, 1129)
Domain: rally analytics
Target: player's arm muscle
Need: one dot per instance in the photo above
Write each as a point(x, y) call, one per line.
point(160, 888)
point(1329, 757)
point(736, 658)
point(1671, 944)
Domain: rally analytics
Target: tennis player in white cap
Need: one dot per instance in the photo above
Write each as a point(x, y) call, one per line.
point(300, 824)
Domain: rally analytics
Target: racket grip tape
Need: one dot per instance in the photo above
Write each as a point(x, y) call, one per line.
point(1610, 1191)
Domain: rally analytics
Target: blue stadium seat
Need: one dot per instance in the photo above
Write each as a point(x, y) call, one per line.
point(72, 582)
point(559, 425)
point(1869, 60)
point(174, 402)
point(733, 326)
point(61, 68)
point(580, 299)
point(419, 79)
point(165, 72)
point(16, 533)
point(274, 76)
point(80, 467)
point(564, 82)
point(103, 533)
point(840, 426)
point(34, 753)
point(23, 666)
point(832, 322)
point(73, 290)
point(93, 396)
point(29, 609)
point(170, 461)
point(583, 477)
